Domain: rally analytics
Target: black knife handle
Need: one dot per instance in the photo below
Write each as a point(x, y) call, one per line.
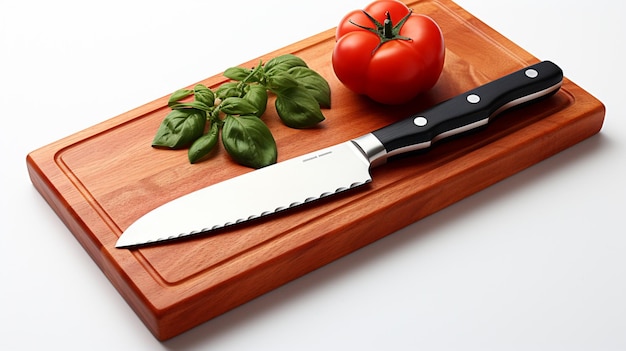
point(468, 111)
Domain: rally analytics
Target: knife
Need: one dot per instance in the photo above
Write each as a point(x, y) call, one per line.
point(340, 167)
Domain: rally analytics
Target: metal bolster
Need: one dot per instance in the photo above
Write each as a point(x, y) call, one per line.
point(371, 148)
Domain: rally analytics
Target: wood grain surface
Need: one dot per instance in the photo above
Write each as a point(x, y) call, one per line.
point(103, 178)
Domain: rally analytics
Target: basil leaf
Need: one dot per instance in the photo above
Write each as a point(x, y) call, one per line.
point(237, 73)
point(204, 95)
point(283, 63)
point(281, 81)
point(257, 96)
point(314, 83)
point(203, 145)
point(237, 106)
point(227, 90)
point(191, 104)
point(180, 128)
point(179, 95)
point(298, 109)
point(249, 141)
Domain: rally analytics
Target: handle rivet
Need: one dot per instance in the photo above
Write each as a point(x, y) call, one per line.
point(420, 121)
point(473, 99)
point(531, 73)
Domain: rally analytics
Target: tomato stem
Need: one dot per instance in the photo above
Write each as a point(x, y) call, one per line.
point(388, 26)
point(386, 31)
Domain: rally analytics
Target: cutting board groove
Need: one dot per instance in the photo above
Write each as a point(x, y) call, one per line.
point(97, 186)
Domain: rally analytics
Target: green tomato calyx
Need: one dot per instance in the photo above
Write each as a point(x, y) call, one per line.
point(386, 31)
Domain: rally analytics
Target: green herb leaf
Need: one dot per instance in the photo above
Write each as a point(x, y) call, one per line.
point(204, 95)
point(191, 104)
point(180, 128)
point(237, 106)
point(283, 63)
point(257, 96)
point(280, 81)
point(204, 144)
point(179, 95)
point(227, 90)
point(237, 73)
point(314, 83)
point(298, 109)
point(248, 141)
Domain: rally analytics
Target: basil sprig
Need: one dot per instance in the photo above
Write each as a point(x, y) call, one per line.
point(234, 108)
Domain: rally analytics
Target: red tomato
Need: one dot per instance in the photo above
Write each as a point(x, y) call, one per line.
point(387, 52)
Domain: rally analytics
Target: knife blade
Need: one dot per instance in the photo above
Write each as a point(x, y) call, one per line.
point(338, 168)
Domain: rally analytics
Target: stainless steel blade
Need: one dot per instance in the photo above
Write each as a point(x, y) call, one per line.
point(254, 194)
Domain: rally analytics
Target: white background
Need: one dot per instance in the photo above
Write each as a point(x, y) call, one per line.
point(536, 262)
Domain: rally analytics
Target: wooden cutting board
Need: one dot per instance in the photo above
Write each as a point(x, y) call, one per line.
point(103, 178)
